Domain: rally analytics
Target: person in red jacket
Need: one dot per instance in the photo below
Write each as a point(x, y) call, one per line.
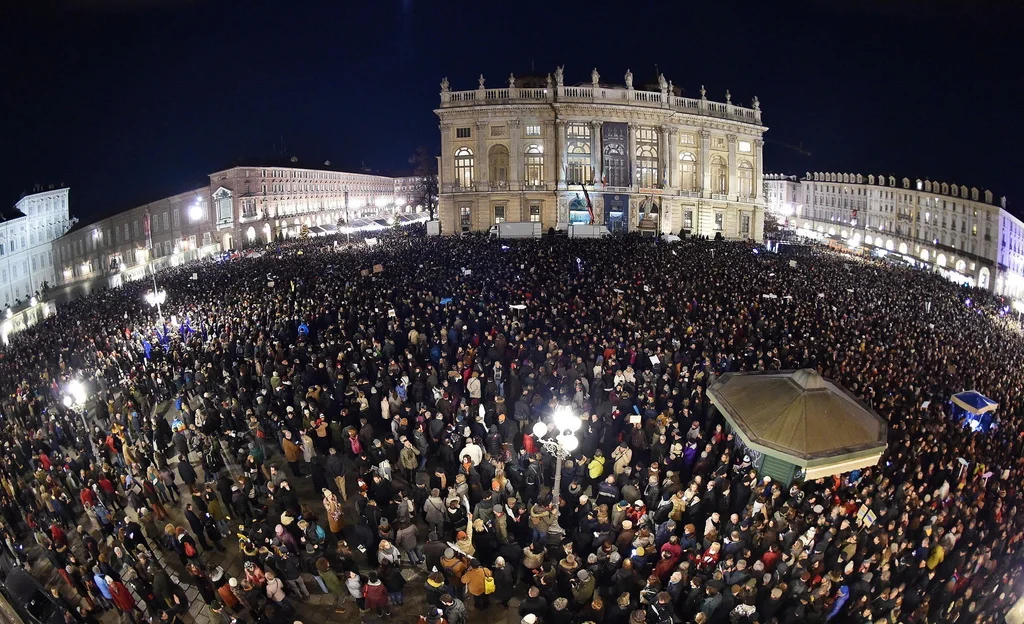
point(376, 595)
point(122, 598)
point(88, 497)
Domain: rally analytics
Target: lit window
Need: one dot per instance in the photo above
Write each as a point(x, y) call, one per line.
point(533, 131)
point(646, 157)
point(578, 150)
point(745, 147)
point(719, 220)
point(465, 216)
point(687, 139)
point(687, 172)
point(746, 176)
point(719, 175)
point(535, 213)
point(499, 213)
point(464, 167)
point(534, 165)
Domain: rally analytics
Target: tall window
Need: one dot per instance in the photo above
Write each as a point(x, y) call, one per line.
point(499, 213)
point(464, 167)
point(535, 213)
point(688, 219)
point(578, 150)
point(719, 220)
point(687, 172)
point(646, 157)
point(534, 159)
point(719, 175)
point(465, 216)
point(746, 175)
point(745, 224)
point(497, 161)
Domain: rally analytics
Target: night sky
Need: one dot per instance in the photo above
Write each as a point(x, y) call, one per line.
point(128, 101)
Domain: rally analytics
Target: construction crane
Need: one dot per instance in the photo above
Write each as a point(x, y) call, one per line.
point(796, 148)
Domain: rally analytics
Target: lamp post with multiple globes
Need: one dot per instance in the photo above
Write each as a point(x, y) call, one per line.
point(74, 399)
point(560, 440)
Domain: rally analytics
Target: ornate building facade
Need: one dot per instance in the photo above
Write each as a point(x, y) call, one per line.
point(26, 236)
point(650, 160)
point(960, 232)
point(242, 206)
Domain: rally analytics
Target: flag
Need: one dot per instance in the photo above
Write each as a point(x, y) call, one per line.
point(590, 206)
point(149, 231)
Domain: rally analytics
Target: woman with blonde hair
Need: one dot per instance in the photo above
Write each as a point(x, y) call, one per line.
point(335, 513)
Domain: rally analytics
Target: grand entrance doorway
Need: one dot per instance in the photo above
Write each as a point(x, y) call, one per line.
point(616, 213)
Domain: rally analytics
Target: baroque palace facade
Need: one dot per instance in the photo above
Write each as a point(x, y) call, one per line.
point(959, 232)
point(650, 160)
point(241, 206)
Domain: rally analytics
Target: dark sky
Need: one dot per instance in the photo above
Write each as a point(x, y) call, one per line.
point(132, 100)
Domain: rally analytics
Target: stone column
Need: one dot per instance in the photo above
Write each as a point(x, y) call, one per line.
point(515, 156)
point(596, 153)
point(734, 187)
point(663, 161)
point(631, 156)
point(673, 158)
point(705, 163)
point(560, 154)
point(481, 173)
point(549, 140)
point(443, 175)
point(758, 169)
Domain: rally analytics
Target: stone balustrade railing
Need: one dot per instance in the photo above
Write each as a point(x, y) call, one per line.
point(601, 95)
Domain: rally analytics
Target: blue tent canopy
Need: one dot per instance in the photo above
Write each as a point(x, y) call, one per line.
point(974, 402)
point(974, 410)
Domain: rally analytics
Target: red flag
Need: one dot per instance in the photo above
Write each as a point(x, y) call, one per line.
point(590, 206)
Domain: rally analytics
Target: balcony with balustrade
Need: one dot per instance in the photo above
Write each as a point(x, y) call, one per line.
point(601, 95)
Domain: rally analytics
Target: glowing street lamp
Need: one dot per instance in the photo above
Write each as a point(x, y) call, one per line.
point(195, 212)
point(559, 439)
point(75, 397)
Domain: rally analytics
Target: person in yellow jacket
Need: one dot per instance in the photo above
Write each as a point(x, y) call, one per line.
point(596, 467)
point(475, 580)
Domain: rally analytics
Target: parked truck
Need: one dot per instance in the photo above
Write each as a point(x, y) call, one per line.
point(577, 230)
point(528, 229)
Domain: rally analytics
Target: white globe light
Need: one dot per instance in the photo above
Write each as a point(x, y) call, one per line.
point(67, 401)
point(565, 420)
point(195, 212)
point(568, 442)
point(540, 430)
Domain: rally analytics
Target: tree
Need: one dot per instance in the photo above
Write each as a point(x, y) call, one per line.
point(425, 168)
point(771, 224)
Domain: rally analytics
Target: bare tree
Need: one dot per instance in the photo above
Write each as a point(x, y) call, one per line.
point(425, 168)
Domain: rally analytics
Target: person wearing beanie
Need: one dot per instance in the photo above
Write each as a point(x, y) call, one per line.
point(583, 588)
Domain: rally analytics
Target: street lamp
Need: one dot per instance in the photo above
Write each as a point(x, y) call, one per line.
point(560, 440)
point(195, 212)
point(74, 399)
point(157, 298)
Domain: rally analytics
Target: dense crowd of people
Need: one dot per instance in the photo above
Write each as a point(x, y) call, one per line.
point(359, 424)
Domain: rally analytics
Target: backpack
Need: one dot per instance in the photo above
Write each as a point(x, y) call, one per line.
point(190, 550)
point(488, 583)
point(320, 535)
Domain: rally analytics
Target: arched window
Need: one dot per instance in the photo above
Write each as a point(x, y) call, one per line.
point(719, 175)
point(646, 157)
point(687, 172)
point(464, 167)
point(646, 166)
point(746, 175)
point(578, 150)
point(534, 160)
point(497, 161)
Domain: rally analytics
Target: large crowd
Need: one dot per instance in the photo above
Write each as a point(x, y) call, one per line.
point(358, 424)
